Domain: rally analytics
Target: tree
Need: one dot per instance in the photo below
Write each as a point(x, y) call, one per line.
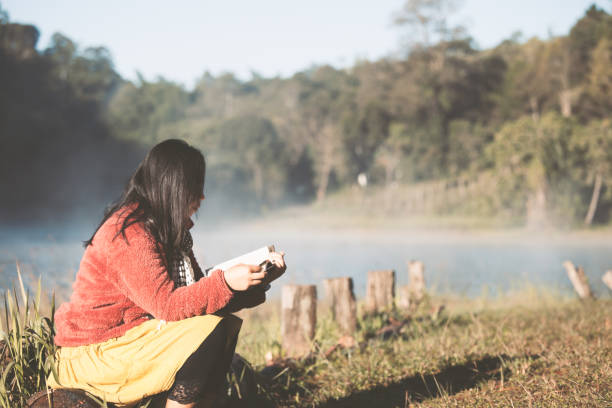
point(54, 133)
point(93, 75)
point(583, 38)
point(18, 40)
point(146, 111)
point(533, 160)
point(446, 77)
point(219, 97)
point(325, 96)
point(427, 22)
point(595, 141)
point(249, 150)
point(4, 16)
point(62, 52)
point(89, 75)
point(599, 86)
point(363, 132)
point(448, 82)
point(392, 152)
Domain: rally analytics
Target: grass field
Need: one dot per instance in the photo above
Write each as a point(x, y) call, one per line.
point(531, 348)
point(527, 348)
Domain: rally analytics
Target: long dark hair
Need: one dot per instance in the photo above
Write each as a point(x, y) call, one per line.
point(163, 187)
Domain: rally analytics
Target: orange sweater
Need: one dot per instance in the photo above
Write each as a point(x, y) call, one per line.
point(121, 284)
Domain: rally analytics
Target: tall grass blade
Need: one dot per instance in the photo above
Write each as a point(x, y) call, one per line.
point(26, 346)
point(38, 295)
point(6, 311)
point(24, 297)
point(17, 308)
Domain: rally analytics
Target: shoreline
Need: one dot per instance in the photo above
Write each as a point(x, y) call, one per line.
point(300, 222)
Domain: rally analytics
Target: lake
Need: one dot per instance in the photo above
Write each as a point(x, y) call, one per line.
point(461, 263)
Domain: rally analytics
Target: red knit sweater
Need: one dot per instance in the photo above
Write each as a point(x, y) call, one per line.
point(120, 284)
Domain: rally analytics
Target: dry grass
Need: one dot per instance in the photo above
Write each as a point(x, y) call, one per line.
point(527, 348)
point(531, 348)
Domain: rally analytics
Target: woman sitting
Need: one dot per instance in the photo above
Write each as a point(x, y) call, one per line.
point(143, 319)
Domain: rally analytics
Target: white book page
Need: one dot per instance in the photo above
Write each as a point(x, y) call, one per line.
point(255, 257)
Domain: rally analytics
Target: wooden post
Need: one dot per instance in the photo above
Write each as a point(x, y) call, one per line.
point(416, 275)
point(404, 297)
point(579, 280)
point(607, 279)
point(340, 293)
point(298, 318)
point(380, 290)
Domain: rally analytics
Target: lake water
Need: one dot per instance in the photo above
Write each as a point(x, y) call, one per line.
point(464, 264)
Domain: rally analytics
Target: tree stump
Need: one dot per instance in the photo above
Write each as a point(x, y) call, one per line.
point(380, 290)
point(61, 398)
point(404, 297)
point(607, 279)
point(340, 293)
point(298, 318)
point(416, 276)
point(579, 280)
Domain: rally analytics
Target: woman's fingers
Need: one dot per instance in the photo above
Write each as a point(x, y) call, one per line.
point(279, 265)
point(258, 275)
point(277, 259)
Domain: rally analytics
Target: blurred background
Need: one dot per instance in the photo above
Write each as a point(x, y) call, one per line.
point(356, 135)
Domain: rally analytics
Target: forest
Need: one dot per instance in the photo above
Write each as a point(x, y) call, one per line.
point(523, 128)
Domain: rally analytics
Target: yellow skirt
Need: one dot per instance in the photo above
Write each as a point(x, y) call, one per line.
point(142, 362)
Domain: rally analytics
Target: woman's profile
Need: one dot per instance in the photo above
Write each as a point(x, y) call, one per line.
point(143, 319)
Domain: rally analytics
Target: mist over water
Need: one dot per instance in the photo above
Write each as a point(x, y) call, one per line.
point(455, 262)
point(458, 263)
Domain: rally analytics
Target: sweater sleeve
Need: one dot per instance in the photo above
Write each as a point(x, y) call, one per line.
point(245, 300)
point(143, 278)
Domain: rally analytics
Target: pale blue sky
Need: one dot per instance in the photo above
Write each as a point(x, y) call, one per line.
point(180, 40)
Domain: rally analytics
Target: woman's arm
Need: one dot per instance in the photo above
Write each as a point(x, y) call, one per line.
point(141, 276)
point(245, 300)
point(241, 300)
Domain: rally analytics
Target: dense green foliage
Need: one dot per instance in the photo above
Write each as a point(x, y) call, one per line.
point(533, 116)
point(55, 144)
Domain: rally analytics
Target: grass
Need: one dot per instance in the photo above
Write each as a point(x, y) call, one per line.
point(531, 348)
point(26, 340)
point(527, 348)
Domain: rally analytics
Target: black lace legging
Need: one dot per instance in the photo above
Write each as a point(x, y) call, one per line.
point(206, 368)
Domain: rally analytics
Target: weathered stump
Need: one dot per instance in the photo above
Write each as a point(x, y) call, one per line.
point(404, 297)
point(416, 276)
point(579, 280)
point(380, 290)
point(61, 398)
point(298, 318)
point(339, 292)
point(607, 279)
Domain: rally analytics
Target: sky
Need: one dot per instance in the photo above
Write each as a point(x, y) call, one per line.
point(181, 40)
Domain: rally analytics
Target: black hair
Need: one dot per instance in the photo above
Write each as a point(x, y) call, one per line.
point(163, 188)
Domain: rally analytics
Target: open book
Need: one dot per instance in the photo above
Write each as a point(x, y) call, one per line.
point(257, 257)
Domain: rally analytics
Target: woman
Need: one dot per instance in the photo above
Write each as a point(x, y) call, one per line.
point(142, 319)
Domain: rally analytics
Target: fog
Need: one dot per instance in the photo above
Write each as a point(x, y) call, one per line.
point(461, 263)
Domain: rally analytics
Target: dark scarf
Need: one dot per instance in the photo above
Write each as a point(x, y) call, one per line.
point(178, 269)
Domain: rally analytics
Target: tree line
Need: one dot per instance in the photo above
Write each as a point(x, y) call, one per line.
point(533, 114)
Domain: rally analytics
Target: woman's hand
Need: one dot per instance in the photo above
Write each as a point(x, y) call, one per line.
point(241, 277)
point(278, 260)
